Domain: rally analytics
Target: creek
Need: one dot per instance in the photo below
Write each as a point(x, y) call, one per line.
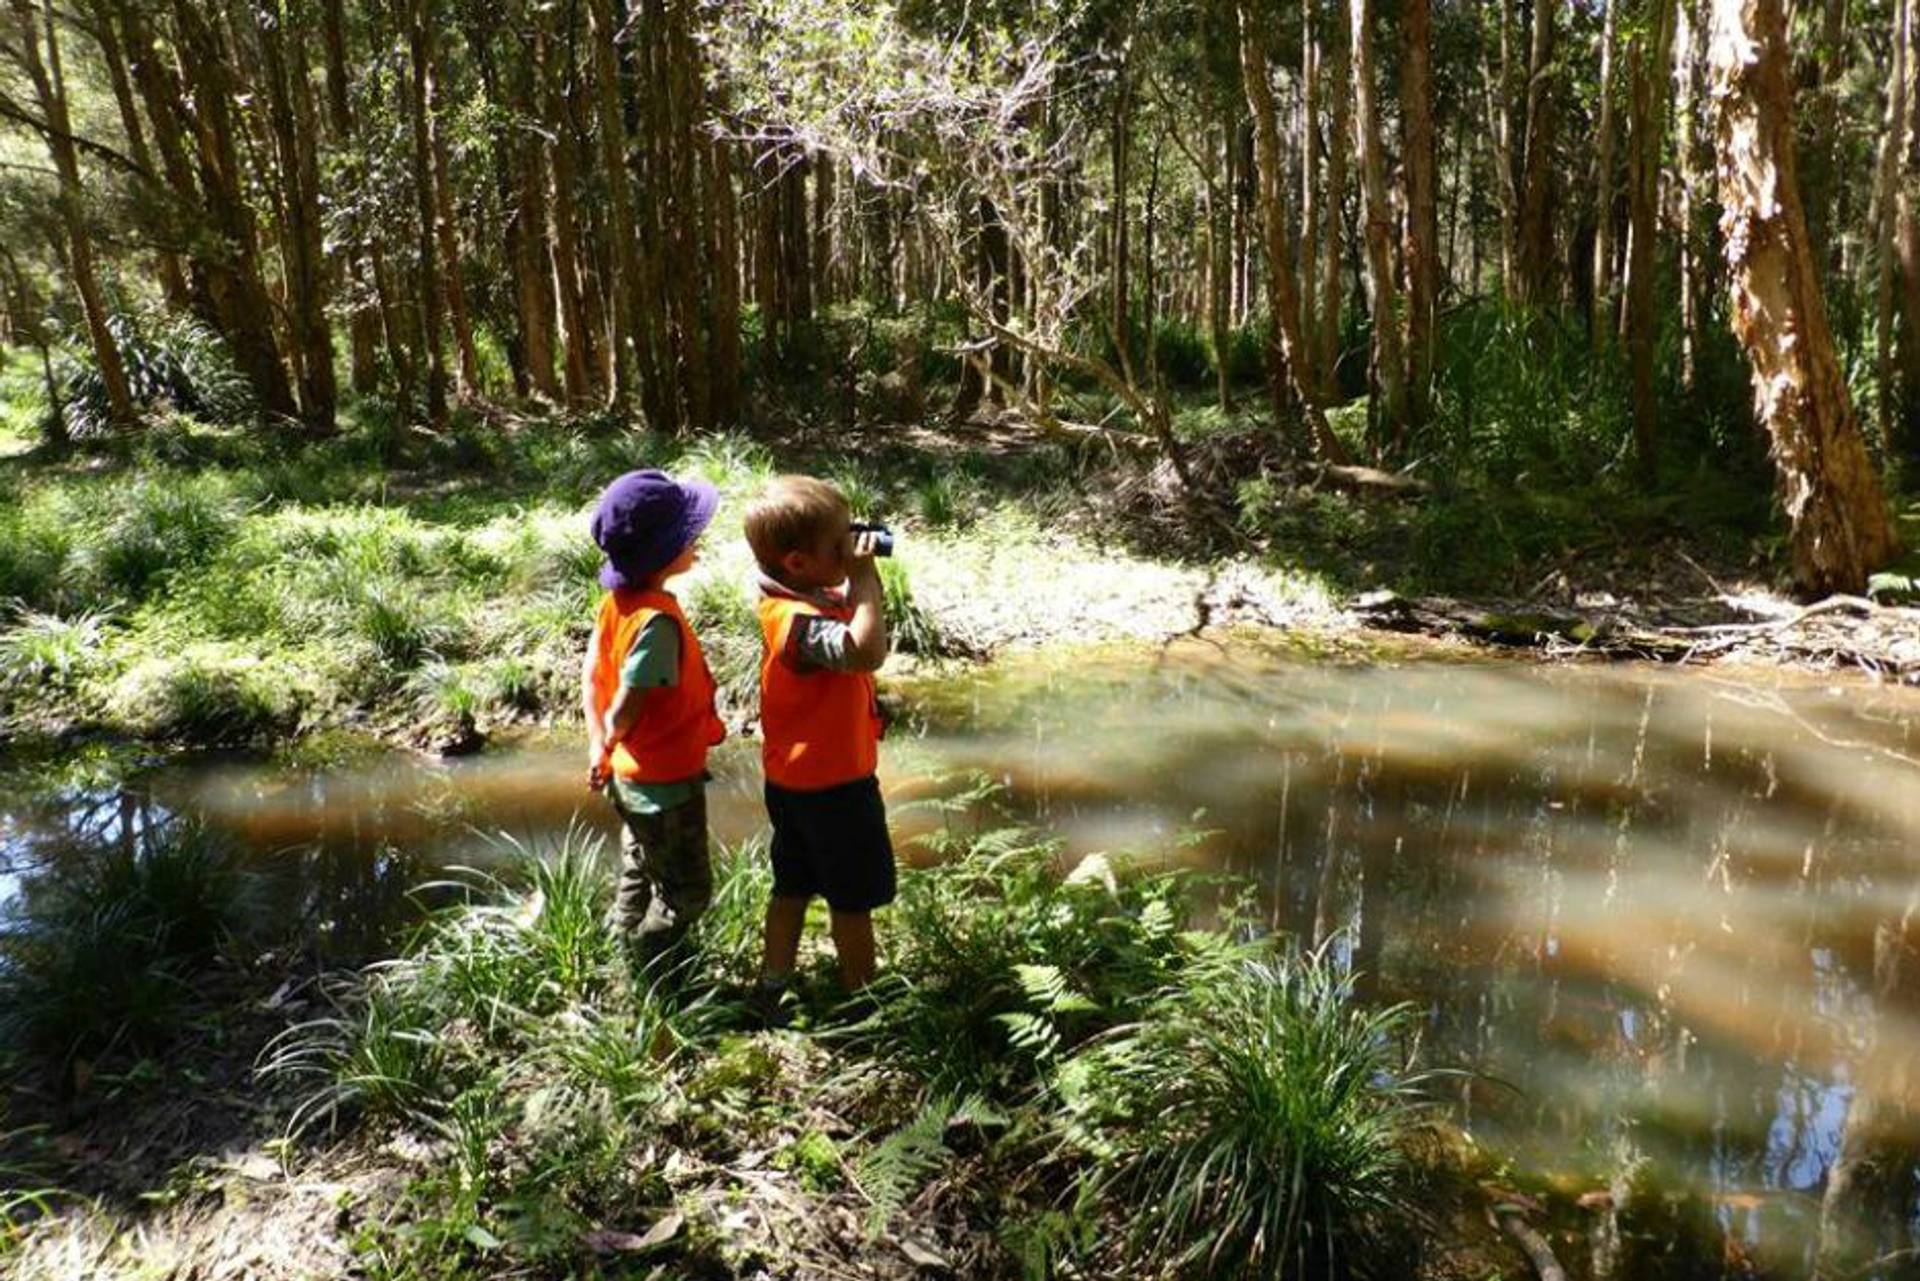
point(1637, 906)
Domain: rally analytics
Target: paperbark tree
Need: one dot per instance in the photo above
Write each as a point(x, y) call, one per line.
point(1603, 275)
point(1422, 244)
point(1534, 252)
point(1840, 528)
point(290, 107)
point(431, 300)
point(1290, 362)
point(56, 128)
point(1388, 412)
point(232, 258)
point(1887, 203)
point(1650, 53)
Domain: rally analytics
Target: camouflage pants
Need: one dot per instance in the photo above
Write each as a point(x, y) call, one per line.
point(666, 877)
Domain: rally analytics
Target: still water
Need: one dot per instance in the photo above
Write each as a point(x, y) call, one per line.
point(1640, 905)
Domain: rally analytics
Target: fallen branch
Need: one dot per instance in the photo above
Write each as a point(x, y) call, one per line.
point(1535, 1247)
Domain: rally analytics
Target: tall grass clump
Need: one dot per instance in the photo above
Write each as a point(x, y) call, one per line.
point(156, 526)
point(112, 950)
point(1255, 1120)
point(724, 619)
point(208, 696)
point(484, 978)
point(911, 629)
point(511, 1032)
point(48, 652)
point(37, 541)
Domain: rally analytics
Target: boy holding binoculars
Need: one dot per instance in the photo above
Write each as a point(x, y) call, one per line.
point(825, 635)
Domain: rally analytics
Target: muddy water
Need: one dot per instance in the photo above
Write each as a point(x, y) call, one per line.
point(1642, 906)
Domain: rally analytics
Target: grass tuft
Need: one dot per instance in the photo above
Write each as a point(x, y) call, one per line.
point(109, 954)
point(1257, 1115)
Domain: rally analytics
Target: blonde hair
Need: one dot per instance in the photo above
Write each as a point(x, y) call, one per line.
point(792, 514)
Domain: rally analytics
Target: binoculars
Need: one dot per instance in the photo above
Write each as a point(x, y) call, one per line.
point(882, 536)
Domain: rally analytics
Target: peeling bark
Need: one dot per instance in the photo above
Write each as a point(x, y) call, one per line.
point(1840, 529)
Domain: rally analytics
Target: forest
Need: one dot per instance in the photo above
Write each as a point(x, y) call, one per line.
point(670, 213)
point(1370, 374)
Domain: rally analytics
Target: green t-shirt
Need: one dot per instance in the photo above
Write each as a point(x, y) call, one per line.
point(654, 661)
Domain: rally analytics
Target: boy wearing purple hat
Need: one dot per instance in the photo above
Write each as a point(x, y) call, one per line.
point(648, 698)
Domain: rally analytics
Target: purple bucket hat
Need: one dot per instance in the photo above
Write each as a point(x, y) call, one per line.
point(644, 520)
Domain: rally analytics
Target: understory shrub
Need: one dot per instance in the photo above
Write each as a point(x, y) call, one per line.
point(174, 361)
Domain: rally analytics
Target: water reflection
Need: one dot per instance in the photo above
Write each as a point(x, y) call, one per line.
point(1668, 917)
point(1648, 902)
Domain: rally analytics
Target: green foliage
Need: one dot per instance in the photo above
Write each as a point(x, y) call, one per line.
point(910, 628)
point(109, 954)
point(1001, 964)
point(207, 697)
point(153, 528)
point(1516, 388)
point(892, 1170)
point(502, 972)
point(729, 630)
point(1256, 1115)
point(174, 361)
point(47, 652)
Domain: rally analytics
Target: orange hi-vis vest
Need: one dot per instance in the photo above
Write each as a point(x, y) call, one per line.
point(669, 741)
point(818, 728)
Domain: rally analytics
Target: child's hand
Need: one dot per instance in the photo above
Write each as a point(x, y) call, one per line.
point(599, 769)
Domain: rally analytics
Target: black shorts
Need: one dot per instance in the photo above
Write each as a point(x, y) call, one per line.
point(834, 843)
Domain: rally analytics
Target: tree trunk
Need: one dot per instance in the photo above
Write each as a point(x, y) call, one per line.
point(1840, 529)
point(527, 222)
point(363, 321)
point(1388, 412)
point(1535, 248)
point(1423, 215)
point(1687, 33)
point(1651, 53)
point(290, 108)
point(1602, 321)
point(1290, 363)
point(446, 225)
point(420, 95)
point(1311, 56)
point(1121, 151)
point(723, 261)
point(627, 351)
point(238, 295)
point(575, 334)
point(1326, 344)
point(1907, 216)
point(1219, 216)
point(1886, 203)
point(50, 88)
point(173, 281)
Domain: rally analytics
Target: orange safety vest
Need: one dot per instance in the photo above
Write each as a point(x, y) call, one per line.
point(818, 728)
point(669, 742)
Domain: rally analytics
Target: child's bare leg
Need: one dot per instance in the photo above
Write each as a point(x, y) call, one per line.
point(853, 944)
point(785, 919)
